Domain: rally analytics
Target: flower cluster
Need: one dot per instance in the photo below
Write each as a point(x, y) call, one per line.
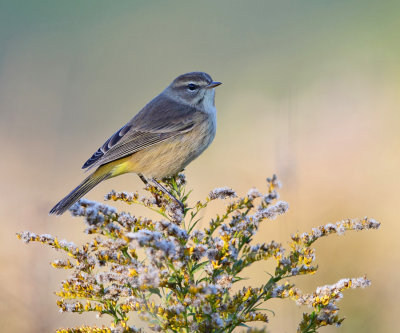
point(178, 278)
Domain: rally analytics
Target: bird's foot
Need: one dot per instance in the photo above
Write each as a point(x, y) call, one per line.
point(163, 190)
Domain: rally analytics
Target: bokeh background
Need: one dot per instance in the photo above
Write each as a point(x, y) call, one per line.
point(311, 93)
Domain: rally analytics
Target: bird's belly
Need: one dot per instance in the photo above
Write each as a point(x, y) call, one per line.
point(172, 155)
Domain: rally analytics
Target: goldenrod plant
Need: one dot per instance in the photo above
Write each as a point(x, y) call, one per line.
point(177, 277)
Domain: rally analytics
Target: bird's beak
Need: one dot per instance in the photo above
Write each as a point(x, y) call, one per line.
point(213, 85)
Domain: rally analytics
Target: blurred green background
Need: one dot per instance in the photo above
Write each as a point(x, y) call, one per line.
point(311, 93)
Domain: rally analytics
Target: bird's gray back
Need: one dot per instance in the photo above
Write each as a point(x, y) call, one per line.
point(159, 120)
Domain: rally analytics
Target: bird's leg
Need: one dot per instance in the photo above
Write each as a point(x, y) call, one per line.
point(143, 178)
point(164, 190)
point(146, 182)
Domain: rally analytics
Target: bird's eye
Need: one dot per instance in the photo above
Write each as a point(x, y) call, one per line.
point(191, 86)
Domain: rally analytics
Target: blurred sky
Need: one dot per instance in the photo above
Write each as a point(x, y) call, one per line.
point(310, 92)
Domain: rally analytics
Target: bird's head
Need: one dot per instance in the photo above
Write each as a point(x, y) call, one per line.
point(195, 89)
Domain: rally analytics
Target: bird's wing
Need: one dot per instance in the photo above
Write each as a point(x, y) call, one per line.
point(159, 120)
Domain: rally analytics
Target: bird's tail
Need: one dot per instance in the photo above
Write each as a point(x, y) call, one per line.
point(83, 188)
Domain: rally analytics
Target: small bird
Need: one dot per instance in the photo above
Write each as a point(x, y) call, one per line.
point(161, 140)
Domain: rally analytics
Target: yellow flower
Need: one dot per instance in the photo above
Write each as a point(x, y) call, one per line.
point(215, 264)
point(247, 295)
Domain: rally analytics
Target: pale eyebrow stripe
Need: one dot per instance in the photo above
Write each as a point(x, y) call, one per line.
point(185, 83)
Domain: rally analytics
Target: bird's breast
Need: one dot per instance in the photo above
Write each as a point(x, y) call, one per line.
point(174, 154)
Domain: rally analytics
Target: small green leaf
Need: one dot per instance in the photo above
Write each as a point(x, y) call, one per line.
point(199, 266)
point(155, 291)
